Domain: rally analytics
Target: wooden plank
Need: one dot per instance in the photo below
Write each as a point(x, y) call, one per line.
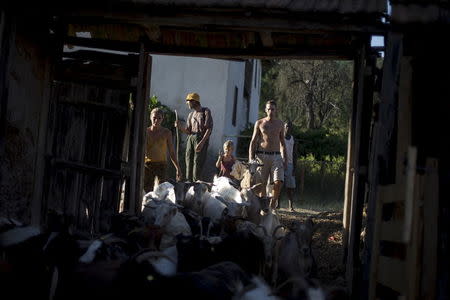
point(358, 99)
point(364, 119)
point(391, 273)
point(123, 59)
point(139, 126)
point(98, 105)
point(379, 192)
point(103, 44)
point(392, 231)
point(144, 92)
point(61, 163)
point(409, 194)
point(7, 29)
point(235, 19)
point(348, 183)
point(430, 233)
point(388, 193)
point(39, 174)
point(388, 113)
point(413, 252)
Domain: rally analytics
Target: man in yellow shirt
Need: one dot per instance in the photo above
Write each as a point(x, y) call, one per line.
point(158, 142)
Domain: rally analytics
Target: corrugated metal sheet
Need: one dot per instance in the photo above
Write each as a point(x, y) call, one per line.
point(319, 6)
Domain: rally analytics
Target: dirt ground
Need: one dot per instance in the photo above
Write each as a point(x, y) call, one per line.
point(327, 243)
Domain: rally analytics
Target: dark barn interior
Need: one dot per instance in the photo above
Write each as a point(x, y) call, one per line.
point(72, 118)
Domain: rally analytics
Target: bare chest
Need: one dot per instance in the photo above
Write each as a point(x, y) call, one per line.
point(270, 129)
point(155, 135)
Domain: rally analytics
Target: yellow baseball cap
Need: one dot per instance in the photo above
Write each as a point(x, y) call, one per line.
point(193, 97)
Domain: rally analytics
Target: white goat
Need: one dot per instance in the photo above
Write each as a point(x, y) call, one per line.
point(166, 215)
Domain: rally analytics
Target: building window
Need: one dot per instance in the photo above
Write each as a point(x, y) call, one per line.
point(235, 105)
point(256, 72)
point(249, 69)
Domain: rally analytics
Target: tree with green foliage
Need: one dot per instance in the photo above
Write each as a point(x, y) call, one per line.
point(312, 93)
point(316, 95)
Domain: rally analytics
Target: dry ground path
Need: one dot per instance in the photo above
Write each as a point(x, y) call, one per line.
point(327, 242)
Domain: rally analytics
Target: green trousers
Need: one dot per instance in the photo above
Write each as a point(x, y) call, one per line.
point(194, 160)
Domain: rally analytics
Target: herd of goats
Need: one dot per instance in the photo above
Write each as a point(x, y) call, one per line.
point(191, 240)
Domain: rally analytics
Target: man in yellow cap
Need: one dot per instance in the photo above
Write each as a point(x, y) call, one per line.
point(198, 128)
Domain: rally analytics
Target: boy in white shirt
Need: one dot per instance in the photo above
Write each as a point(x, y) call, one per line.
point(291, 159)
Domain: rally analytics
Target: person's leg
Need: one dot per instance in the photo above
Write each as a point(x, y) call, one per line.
point(190, 150)
point(160, 171)
point(277, 172)
point(150, 172)
point(262, 174)
point(148, 178)
point(290, 196)
point(199, 160)
point(289, 184)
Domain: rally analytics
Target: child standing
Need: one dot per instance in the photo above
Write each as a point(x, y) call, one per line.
point(226, 161)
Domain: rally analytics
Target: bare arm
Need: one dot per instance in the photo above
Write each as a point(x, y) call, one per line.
point(206, 136)
point(283, 145)
point(219, 160)
point(186, 129)
point(253, 142)
point(182, 128)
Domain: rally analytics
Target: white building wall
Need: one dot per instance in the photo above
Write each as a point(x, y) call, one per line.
point(256, 91)
point(236, 75)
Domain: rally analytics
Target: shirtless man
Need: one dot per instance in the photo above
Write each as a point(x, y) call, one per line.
point(159, 141)
point(267, 142)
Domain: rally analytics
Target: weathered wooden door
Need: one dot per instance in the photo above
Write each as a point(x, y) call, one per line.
point(90, 132)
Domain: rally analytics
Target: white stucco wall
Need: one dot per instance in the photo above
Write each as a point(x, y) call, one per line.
point(256, 91)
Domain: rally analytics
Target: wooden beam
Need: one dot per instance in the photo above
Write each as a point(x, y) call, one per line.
point(266, 38)
point(144, 82)
point(344, 53)
point(232, 19)
point(383, 187)
point(364, 102)
point(127, 60)
point(103, 44)
point(140, 113)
